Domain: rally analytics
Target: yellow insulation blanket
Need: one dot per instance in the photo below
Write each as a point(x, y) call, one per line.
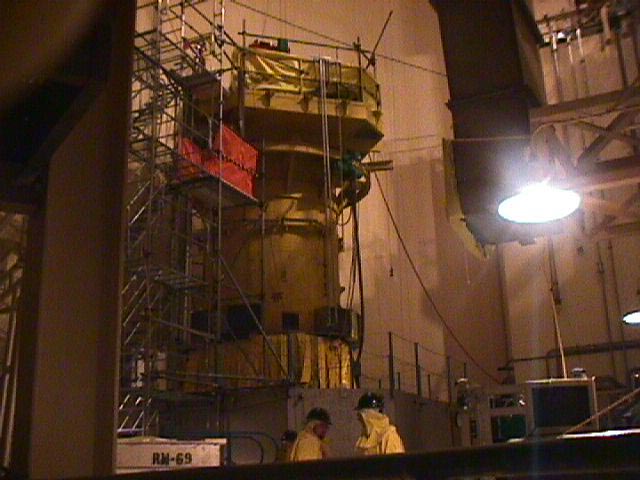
point(308, 359)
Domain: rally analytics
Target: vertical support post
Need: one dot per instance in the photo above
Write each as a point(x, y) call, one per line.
point(618, 309)
point(416, 352)
point(392, 377)
point(430, 397)
point(360, 85)
point(292, 360)
point(624, 79)
point(241, 81)
point(70, 369)
point(449, 393)
point(263, 227)
point(399, 386)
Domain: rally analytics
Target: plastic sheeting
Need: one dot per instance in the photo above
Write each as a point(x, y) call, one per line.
point(309, 360)
point(239, 161)
point(282, 72)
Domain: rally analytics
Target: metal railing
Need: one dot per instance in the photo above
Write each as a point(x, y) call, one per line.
point(409, 367)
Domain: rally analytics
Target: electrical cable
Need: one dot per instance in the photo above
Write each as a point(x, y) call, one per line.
point(352, 278)
point(426, 291)
point(356, 240)
point(344, 223)
point(336, 40)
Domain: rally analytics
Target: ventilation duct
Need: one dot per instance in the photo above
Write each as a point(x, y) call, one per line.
point(495, 77)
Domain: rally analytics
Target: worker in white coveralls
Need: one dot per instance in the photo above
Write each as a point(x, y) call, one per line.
point(378, 437)
point(310, 444)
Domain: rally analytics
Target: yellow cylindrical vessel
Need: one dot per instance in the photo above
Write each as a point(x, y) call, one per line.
point(287, 255)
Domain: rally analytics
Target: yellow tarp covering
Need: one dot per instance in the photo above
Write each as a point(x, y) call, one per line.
point(282, 72)
point(315, 361)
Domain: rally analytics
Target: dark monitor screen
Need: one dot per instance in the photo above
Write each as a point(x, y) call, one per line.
point(560, 406)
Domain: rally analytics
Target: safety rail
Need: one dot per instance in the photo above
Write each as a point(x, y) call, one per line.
point(409, 367)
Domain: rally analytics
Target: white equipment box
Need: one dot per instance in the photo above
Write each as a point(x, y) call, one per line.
point(152, 453)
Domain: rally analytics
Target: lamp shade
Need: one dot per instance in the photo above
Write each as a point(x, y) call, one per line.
point(539, 203)
point(632, 317)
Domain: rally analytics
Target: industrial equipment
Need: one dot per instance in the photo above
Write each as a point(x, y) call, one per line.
point(537, 408)
point(246, 167)
point(556, 405)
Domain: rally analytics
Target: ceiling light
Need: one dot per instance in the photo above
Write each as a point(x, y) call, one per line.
point(632, 317)
point(539, 203)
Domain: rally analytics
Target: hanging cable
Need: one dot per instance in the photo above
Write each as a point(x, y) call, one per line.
point(323, 66)
point(356, 243)
point(426, 291)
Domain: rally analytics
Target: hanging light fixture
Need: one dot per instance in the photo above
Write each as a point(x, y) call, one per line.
point(631, 308)
point(539, 203)
point(632, 317)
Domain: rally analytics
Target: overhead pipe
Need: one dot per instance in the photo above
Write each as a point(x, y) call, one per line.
point(580, 350)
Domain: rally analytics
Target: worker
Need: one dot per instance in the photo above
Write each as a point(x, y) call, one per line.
point(310, 444)
point(378, 437)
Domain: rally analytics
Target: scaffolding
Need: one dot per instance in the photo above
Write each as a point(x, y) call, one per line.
point(188, 169)
point(12, 248)
point(176, 276)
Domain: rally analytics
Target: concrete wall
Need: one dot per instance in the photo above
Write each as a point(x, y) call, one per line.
point(424, 425)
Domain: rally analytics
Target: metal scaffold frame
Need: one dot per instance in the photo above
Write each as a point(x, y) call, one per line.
point(13, 228)
point(174, 212)
point(178, 195)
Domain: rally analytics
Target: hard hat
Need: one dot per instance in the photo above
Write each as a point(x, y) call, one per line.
point(371, 400)
point(320, 415)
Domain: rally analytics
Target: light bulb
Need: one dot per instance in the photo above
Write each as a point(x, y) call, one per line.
point(632, 317)
point(539, 203)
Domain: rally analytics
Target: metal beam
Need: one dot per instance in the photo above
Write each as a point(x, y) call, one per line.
point(606, 207)
point(614, 231)
point(560, 151)
point(584, 108)
point(624, 206)
point(605, 175)
point(613, 135)
point(622, 121)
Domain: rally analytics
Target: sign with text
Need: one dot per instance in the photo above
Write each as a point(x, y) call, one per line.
point(151, 453)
